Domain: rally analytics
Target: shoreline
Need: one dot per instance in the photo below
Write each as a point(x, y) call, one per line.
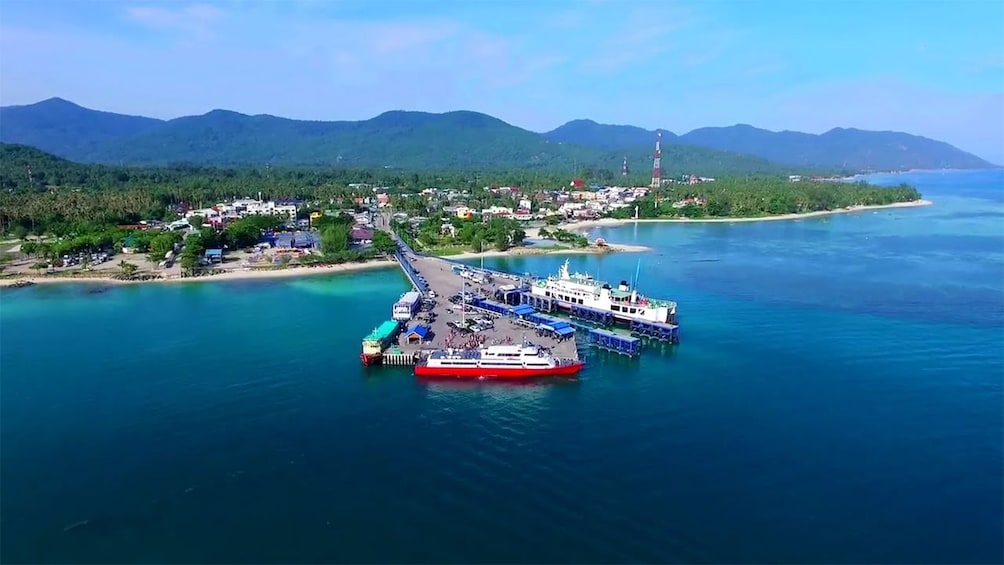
point(526, 251)
point(232, 275)
point(240, 274)
point(535, 251)
point(612, 222)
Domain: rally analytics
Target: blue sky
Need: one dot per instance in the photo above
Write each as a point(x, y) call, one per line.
point(924, 67)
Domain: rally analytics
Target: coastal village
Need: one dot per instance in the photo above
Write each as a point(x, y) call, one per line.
point(357, 226)
point(296, 239)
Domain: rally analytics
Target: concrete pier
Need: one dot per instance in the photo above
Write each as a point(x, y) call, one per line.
point(440, 283)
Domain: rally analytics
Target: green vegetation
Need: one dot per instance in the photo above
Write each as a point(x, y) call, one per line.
point(456, 235)
point(90, 208)
point(564, 236)
point(419, 141)
point(754, 197)
point(840, 149)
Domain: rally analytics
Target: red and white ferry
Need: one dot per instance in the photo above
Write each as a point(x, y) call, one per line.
point(497, 361)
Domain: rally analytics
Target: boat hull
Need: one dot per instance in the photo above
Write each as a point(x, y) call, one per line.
point(370, 358)
point(497, 373)
point(623, 319)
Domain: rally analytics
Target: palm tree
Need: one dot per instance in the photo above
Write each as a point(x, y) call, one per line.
point(128, 269)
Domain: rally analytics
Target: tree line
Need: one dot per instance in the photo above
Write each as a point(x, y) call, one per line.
point(752, 197)
point(444, 230)
point(62, 198)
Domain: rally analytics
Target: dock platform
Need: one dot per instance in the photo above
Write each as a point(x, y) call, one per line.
point(514, 314)
point(435, 278)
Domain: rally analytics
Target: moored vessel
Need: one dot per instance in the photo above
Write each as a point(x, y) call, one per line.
point(623, 302)
point(497, 361)
point(378, 340)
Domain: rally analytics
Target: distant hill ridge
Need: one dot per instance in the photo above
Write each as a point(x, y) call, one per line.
point(454, 140)
point(840, 148)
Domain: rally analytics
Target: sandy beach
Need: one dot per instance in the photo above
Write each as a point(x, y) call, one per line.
point(615, 222)
point(226, 275)
point(236, 272)
point(240, 273)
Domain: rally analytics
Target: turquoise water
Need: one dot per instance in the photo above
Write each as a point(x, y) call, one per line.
point(836, 398)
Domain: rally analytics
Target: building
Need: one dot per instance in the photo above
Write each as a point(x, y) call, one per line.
point(522, 215)
point(417, 334)
point(361, 235)
point(496, 212)
point(214, 256)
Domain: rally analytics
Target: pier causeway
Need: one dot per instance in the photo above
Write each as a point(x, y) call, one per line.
point(443, 320)
point(436, 279)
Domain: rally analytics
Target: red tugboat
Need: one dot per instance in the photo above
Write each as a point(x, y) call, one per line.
point(497, 361)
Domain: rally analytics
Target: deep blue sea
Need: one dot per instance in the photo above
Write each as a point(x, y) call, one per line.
point(837, 397)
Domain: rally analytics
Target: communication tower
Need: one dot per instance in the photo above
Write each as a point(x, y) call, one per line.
point(657, 162)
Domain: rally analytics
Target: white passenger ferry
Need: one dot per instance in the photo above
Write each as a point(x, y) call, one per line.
point(624, 303)
point(496, 361)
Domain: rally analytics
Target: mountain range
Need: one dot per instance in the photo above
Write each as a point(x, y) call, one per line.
point(455, 140)
point(841, 148)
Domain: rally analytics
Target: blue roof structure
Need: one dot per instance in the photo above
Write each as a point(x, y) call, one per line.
point(420, 331)
point(567, 330)
point(523, 310)
point(214, 253)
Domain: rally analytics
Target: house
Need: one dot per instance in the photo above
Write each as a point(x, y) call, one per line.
point(417, 334)
point(583, 195)
point(448, 229)
point(700, 200)
point(496, 212)
point(361, 235)
point(214, 256)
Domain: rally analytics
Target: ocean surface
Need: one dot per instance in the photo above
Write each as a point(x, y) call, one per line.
point(837, 397)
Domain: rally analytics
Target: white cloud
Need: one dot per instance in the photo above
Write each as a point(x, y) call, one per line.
point(195, 19)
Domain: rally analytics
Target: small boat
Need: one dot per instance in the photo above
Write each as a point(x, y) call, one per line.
point(497, 361)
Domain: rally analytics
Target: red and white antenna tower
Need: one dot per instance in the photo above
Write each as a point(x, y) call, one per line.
point(657, 163)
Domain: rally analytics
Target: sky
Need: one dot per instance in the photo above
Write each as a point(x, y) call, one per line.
point(929, 68)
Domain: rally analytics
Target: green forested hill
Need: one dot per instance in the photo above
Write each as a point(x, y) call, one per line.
point(848, 150)
point(398, 140)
